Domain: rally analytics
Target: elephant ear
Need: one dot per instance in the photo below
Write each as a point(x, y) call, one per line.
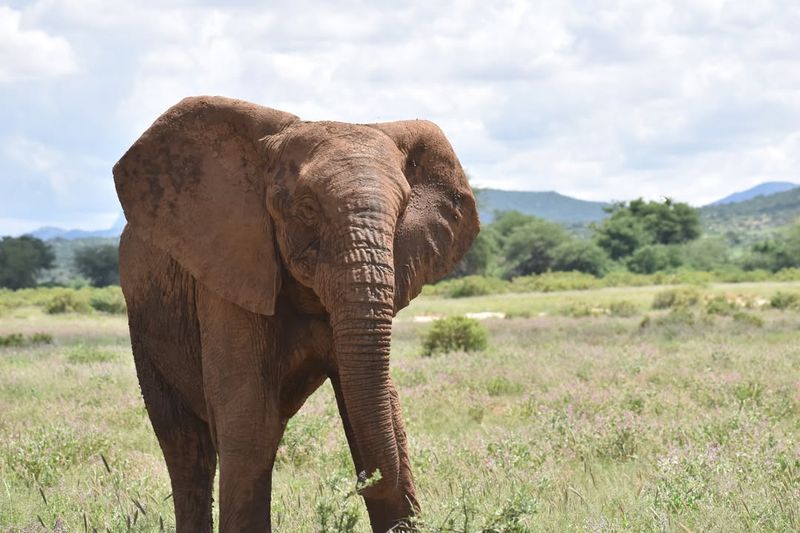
point(193, 185)
point(440, 220)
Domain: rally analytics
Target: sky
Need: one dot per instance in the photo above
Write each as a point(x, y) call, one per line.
point(600, 99)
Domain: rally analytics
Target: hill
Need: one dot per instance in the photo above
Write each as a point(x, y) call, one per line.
point(762, 189)
point(549, 205)
point(47, 233)
point(738, 218)
point(752, 219)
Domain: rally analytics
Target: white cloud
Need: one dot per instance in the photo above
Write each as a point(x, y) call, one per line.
point(610, 99)
point(51, 180)
point(27, 54)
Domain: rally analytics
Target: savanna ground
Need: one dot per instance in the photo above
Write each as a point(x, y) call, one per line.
point(584, 414)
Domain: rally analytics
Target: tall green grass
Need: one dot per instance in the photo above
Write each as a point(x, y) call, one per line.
point(563, 422)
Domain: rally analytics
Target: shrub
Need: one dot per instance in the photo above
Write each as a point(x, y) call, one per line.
point(784, 300)
point(720, 305)
point(66, 302)
point(455, 333)
point(787, 274)
point(17, 339)
point(737, 275)
point(677, 319)
point(502, 386)
point(581, 310)
point(749, 319)
point(12, 339)
point(556, 281)
point(476, 286)
point(623, 308)
point(41, 338)
point(680, 297)
point(81, 354)
point(108, 300)
point(623, 278)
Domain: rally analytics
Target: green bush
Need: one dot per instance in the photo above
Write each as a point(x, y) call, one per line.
point(67, 302)
point(556, 281)
point(737, 275)
point(41, 338)
point(475, 286)
point(502, 386)
point(623, 278)
point(455, 333)
point(17, 339)
point(721, 306)
point(787, 274)
point(12, 340)
point(108, 300)
point(749, 319)
point(784, 300)
point(679, 297)
point(576, 281)
point(623, 308)
point(678, 317)
point(578, 310)
point(83, 354)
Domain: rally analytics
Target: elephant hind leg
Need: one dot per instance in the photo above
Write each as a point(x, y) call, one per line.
point(188, 450)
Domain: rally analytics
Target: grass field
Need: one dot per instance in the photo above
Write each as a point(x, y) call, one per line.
point(584, 414)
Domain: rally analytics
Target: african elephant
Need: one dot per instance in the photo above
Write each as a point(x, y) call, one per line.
point(264, 254)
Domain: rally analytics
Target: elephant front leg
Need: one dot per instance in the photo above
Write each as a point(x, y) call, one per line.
point(393, 512)
point(247, 430)
point(246, 482)
point(242, 407)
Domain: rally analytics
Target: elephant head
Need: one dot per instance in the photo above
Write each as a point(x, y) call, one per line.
point(364, 215)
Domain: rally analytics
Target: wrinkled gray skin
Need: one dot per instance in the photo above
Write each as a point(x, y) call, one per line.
point(262, 256)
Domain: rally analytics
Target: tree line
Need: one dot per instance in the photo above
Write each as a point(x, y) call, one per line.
point(639, 236)
point(643, 237)
point(24, 262)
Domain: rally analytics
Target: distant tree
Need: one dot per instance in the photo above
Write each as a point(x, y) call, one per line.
point(776, 254)
point(654, 258)
point(100, 264)
point(479, 257)
point(22, 259)
point(638, 223)
point(581, 256)
point(530, 248)
point(706, 254)
point(621, 234)
point(505, 222)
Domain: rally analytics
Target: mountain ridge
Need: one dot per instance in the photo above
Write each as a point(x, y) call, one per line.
point(549, 205)
point(734, 213)
point(762, 189)
point(47, 233)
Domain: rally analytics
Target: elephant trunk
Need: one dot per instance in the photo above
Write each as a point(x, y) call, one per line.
point(360, 301)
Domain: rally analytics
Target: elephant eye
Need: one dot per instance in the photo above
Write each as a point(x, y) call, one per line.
point(307, 212)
